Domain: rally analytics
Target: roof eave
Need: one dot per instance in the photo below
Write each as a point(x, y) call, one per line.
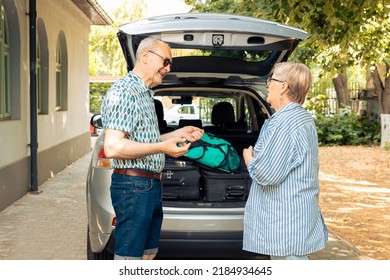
point(93, 10)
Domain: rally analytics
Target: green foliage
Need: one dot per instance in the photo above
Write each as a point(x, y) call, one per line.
point(237, 7)
point(339, 29)
point(343, 33)
point(105, 53)
point(97, 91)
point(317, 104)
point(347, 129)
point(247, 55)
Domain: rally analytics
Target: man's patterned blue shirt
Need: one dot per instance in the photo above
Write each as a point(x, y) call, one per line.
point(129, 107)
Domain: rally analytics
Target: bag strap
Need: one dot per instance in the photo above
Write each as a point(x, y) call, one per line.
point(228, 154)
point(205, 145)
point(197, 144)
point(225, 155)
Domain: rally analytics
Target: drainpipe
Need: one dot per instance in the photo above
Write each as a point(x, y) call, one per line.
point(33, 96)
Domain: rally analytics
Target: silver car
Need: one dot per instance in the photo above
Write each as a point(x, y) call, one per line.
point(220, 64)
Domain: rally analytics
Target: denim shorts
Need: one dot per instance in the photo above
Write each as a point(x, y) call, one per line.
point(137, 202)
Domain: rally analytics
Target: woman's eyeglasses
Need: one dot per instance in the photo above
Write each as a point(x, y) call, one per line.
point(273, 79)
point(166, 60)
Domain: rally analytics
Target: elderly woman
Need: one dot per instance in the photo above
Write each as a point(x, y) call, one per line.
point(282, 215)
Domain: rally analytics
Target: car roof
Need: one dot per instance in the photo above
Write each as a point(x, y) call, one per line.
point(227, 45)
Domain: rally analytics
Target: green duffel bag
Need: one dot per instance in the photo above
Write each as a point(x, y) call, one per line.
point(214, 153)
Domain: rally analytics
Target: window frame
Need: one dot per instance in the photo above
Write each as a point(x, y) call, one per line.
point(5, 66)
point(39, 77)
point(59, 77)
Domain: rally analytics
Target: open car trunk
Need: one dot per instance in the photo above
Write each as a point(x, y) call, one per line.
point(214, 43)
point(188, 184)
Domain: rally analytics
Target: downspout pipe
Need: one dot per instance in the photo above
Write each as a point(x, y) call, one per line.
point(33, 96)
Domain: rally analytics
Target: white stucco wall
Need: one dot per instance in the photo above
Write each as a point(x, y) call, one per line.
point(55, 127)
point(13, 135)
point(58, 126)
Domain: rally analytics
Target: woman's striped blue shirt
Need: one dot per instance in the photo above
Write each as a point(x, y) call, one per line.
point(282, 214)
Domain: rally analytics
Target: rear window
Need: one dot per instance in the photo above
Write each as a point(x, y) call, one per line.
point(201, 109)
point(244, 55)
point(195, 106)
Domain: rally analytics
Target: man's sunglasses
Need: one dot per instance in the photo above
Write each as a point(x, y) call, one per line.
point(166, 60)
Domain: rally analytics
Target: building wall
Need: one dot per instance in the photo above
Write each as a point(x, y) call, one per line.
point(63, 135)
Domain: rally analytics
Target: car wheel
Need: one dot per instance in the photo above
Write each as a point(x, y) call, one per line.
point(104, 255)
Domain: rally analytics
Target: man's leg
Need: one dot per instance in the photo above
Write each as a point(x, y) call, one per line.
point(153, 239)
point(130, 199)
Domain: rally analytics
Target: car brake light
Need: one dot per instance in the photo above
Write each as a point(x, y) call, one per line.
point(101, 153)
point(114, 222)
point(102, 160)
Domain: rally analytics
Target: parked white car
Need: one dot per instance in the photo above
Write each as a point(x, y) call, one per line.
point(178, 112)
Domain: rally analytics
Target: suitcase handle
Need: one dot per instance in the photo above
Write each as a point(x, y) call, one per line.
point(170, 197)
point(235, 191)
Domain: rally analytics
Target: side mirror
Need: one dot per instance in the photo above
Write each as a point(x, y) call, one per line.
point(96, 121)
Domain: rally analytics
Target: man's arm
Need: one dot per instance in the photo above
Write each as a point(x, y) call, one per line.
point(116, 145)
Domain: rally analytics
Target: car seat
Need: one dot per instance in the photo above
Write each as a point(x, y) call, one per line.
point(193, 122)
point(162, 124)
point(223, 119)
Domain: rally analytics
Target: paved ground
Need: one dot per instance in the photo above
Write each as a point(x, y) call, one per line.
point(51, 225)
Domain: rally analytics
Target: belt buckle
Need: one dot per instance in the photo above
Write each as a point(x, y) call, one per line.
point(156, 175)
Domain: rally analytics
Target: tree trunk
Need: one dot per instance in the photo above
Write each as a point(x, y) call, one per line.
point(386, 92)
point(382, 89)
point(341, 86)
point(379, 88)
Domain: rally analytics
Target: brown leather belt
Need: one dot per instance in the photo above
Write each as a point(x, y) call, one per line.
point(139, 173)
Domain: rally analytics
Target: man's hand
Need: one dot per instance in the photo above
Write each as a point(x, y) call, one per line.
point(189, 133)
point(176, 147)
point(117, 146)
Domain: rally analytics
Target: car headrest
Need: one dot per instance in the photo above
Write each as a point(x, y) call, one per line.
point(222, 112)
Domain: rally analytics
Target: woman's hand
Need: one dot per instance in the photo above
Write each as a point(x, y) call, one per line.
point(247, 155)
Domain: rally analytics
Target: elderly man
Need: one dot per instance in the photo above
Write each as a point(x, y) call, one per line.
point(133, 140)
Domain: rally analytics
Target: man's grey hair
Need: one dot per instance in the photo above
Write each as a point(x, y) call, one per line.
point(149, 43)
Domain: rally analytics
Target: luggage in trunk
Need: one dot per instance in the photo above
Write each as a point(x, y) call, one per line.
point(180, 180)
point(225, 187)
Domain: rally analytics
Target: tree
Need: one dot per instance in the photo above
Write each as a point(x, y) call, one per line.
point(105, 54)
point(344, 33)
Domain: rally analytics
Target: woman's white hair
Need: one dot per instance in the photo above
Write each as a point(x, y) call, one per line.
point(298, 78)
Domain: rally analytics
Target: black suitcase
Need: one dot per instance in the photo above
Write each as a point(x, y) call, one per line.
point(225, 187)
point(180, 180)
